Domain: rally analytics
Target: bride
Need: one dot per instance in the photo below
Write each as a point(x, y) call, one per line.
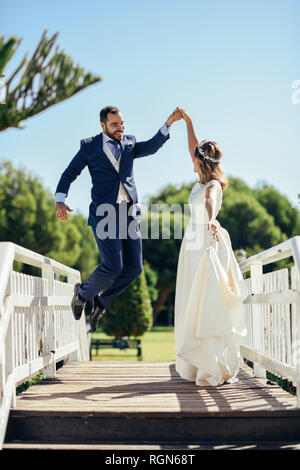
point(209, 286)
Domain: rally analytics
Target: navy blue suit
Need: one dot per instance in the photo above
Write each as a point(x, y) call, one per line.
point(121, 258)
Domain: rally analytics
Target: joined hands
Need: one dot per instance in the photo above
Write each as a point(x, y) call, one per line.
point(175, 116)
point(178, 113)
point(183, 113)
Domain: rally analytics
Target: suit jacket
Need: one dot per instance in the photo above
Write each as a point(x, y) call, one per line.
point(105, 178)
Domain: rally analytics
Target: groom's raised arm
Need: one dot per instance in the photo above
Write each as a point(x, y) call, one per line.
point(151, 146)
point(148, 147)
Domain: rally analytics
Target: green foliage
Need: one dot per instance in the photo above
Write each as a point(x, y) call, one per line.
point(43, 82)
point(25, 385)
point(172, 194)
point(283, 383)
point(256, 219)
point(131, 312)
point(237, 184)
point(27, 214)
point(248, 222)
point(151, 279)
point(27, 218)
point(162, 254)
point(286, 217)
point(88, 254)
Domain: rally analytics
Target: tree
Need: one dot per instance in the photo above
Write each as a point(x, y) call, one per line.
point(162, 255)
point(248, 222)
point(44, 81)
point(172, 194)
point(130, 314)
point(286, 217)
point(27, 218)
point(151, 279)
point(88, 258)
point(255, 219)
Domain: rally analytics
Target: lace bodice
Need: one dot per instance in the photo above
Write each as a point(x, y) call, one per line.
point(197, 199)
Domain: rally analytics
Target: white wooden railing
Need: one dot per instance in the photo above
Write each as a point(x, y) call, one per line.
point(37, 327)
point(272, 314)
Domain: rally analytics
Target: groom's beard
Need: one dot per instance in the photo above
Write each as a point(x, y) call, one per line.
point(112, 135)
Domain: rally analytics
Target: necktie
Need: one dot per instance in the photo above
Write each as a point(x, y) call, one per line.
point(115, 148)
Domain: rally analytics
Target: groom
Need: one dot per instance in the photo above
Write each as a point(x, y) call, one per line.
point(109, 157)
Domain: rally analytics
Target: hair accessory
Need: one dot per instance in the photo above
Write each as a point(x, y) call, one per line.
point(201, 151)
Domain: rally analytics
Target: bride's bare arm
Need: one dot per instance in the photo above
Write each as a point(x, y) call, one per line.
point(192, 138)
point(211, 196)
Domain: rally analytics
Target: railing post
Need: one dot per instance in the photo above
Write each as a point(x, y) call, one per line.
point(11, 338)
point(256, 271)
point(50, 370)
point(76, 355)
point(296, 342)
point(296, 350)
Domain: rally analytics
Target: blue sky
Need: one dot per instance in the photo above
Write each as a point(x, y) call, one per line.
point(230, 64)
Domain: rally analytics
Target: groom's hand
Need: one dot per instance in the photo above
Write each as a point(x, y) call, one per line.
point(61, 211)
point(175, 116)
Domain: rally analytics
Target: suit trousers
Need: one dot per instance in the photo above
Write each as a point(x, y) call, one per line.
point(120, 248)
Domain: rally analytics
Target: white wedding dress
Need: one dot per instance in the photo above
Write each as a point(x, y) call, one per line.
point(208, 300)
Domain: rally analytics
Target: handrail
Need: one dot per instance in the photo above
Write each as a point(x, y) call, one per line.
point(272, 313)
point(278, 252)
point(37, 328)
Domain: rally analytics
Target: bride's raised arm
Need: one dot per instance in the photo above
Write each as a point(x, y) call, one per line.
point(192, 138)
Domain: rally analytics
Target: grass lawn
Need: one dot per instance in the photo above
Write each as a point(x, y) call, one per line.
point(157, 346)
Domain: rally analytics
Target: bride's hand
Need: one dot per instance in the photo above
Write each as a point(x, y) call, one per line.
point(174, 116)
point(184, 114)
point(214, 226)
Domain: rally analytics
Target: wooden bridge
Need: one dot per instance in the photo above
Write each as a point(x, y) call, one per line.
point(147, 405)
point(98, 405)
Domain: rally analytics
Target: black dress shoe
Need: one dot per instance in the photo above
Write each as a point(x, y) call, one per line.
point(78, 303)
point(97, 312)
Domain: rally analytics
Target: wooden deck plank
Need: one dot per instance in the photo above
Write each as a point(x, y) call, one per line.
point(109, 404)
point(149, 388)
point(119, 447)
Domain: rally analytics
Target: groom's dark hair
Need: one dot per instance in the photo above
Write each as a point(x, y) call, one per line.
point(108, 109)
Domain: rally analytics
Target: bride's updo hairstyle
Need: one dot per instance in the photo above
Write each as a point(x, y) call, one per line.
point(209, 154)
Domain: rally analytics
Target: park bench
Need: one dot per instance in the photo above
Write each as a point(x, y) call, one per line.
point(120, 343)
